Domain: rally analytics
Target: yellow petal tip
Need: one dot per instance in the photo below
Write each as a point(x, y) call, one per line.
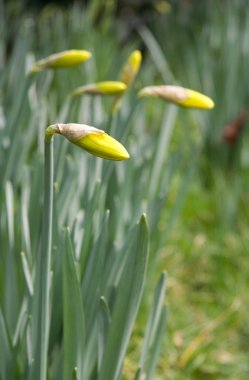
point(104, 146)
point(131, 68)
point(64, 59)
point(101, 88)
point(178, 95)
point(196, 99)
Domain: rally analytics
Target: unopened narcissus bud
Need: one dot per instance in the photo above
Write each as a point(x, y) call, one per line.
point(101, 88)
point(63, 59)
point(179, 95)
point(93, 140)
point(131, 68)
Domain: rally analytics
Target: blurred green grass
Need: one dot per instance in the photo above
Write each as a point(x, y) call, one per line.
point(209, 280)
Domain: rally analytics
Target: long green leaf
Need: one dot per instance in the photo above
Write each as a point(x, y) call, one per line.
point(138, 374)
point(73, 317)
point(154, 318)
point(5, 349)
point(157, 344)
point(11, 270)
point(157, 54)
point(27, 273)
point(41, 298)
point(104, 320)
point(127, 304)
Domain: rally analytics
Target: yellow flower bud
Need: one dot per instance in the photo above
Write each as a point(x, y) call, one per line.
point(93, 140)
point(101, 88)
point(163, 6)
point(131, 68)
point(63, 59)
point(178, 95)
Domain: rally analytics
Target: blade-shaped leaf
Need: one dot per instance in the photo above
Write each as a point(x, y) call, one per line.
point(156, 346)
point(154, 318)
point(138, 374)
point(104, 320)
point(73, 317)
point(127, 304)
point(27, 273)
point(5, 349)
point(157, 54)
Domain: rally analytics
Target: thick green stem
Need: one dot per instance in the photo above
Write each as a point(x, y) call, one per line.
point(43, 280)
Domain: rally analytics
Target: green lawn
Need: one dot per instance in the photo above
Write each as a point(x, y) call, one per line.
point(207, 293)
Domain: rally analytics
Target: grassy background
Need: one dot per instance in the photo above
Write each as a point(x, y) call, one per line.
point(197, 212)
point(207, 252)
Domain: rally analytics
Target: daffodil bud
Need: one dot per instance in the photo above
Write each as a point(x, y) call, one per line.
point(63, 59)
point(101, 88)
point(131, 68)
point(179, 95)
point(93, 140)
point(163, 6)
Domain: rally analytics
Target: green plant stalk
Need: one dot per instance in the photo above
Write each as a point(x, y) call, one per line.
point(162, 149)
point(43, 280)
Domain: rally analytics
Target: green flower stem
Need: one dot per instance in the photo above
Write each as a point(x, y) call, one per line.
point(162, 149)
point(42, 323)
point(125, 132)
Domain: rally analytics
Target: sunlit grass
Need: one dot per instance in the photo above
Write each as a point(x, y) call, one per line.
point(206, 326)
